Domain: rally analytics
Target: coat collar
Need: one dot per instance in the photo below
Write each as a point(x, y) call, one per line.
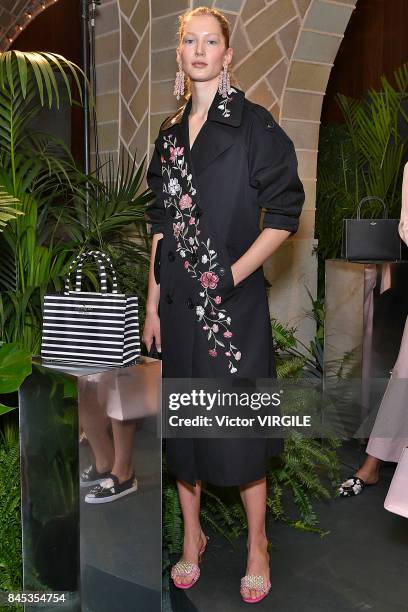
point(217, 138)
point(222, 110)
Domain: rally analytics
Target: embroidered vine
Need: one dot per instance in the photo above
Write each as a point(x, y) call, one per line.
point(223, 105)
point(202, 267)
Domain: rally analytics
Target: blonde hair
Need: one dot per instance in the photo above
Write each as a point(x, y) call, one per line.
point(225, 29)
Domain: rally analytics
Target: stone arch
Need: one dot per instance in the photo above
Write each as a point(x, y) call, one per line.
point(318, 42)
point(323, 25)
point(16, 16)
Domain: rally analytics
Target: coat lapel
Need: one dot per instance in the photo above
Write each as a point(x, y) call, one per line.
point(216, 135)
point(210, 144)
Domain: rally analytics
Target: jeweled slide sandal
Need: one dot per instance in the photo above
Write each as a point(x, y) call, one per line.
point(352, 486)
point(187, 568)
point(255, 582)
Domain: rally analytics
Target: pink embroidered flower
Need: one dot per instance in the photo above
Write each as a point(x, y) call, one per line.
point(175, 151)
point(206, 327)
point(212, 352)
point(238, 355)
point(217, 299)
point(209, 280)
point(227, 334)
point(191, 221)
point(185, 201)
point(228, 354)
point(186, 264)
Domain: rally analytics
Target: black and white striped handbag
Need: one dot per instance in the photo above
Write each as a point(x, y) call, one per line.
point(91, 328)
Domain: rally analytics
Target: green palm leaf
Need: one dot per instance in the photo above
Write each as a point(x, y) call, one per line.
point(8, 207)
point(21, 66)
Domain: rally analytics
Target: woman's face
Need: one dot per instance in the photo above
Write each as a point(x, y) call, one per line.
point(203, 41)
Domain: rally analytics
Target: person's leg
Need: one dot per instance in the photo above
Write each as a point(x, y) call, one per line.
point(253, 497)
point(369, 471)
point(95, 424)
point(123, 435)
point(194, 537)
point(368, 474)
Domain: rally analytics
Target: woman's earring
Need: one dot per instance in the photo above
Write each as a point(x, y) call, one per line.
point(179, 83)
point(224, 81)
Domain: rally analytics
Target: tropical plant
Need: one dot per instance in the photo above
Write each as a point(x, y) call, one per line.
point(8, 208)
point(293, 357)
point(15, 366)
point(34, 178)
point(63, 211)
point(109, 214)
point(10, 522)
point(360, 158)
point(103, 210)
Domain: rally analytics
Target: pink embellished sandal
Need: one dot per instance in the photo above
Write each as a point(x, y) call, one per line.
point(187, 568)
point(255, 582)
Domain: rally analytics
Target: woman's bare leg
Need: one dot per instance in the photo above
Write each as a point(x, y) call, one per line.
point(95, 424)
point(253, 497)
point(194, 537)
point(369, 471)
point(123, 436)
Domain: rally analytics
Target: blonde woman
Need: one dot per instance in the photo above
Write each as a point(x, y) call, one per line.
point(217, 161)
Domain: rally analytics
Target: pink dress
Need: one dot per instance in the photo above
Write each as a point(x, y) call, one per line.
point(390, 432)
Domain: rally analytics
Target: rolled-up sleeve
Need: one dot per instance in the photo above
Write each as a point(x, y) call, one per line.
point(273, 171)
point(155, 211)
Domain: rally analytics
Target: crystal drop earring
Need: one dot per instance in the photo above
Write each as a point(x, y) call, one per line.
point(224, 81)
point(179, 83)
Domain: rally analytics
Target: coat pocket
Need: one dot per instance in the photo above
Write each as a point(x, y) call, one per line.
point(227, 287)
point(157, 259)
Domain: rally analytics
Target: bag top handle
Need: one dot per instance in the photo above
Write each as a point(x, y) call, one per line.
point(100, 258)
point(366, 199)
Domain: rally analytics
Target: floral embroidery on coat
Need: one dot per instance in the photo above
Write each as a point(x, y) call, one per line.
point(203, 268)
point(223, 105)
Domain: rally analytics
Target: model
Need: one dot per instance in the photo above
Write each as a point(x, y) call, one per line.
point(217, 161)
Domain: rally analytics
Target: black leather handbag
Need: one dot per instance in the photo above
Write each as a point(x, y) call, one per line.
point(371, 239)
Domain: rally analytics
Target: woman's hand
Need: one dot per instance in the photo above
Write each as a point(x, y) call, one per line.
point(152, 321)
point(151, 330)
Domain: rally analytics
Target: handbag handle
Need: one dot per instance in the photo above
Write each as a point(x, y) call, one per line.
point(101, 259)
point(372, 198)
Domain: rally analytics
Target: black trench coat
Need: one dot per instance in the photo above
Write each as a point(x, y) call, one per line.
point(207, 206)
